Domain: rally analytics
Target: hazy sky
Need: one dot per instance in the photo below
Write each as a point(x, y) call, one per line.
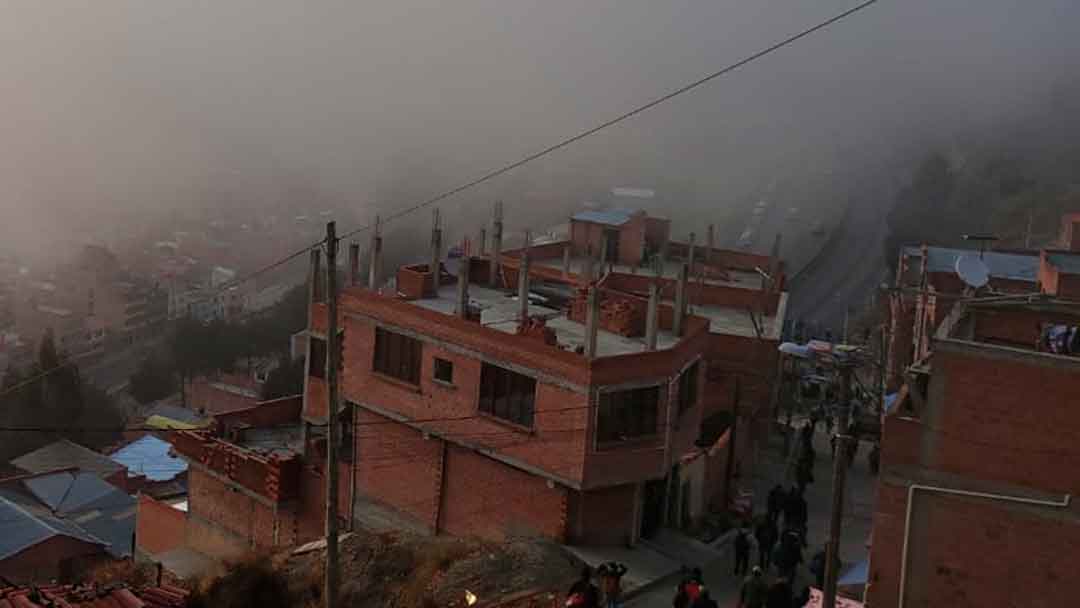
point(117, 105)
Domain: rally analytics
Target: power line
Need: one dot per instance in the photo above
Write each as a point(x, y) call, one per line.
point(527, 159)
point(622, 117)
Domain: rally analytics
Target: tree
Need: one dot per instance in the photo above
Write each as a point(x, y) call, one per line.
point(154, 379)
point(285, 380)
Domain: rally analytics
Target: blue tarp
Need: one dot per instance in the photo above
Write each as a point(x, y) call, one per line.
point(150, 456)
point(856, 574)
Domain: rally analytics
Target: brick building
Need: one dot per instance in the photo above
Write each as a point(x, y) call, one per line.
point(563, 412)
point(979, 463)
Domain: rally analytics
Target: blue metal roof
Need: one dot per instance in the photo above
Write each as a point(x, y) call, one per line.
point(68, 492)
point(150, 456)
point(1013, 266)
point(1067, 263)
point(609, 217)
point(21, 529)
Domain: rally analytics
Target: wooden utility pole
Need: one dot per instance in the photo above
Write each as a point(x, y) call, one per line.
point(840, 466)
point(333, 363)
point(729, 472)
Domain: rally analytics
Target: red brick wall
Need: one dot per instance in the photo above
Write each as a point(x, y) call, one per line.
point(396, 466)
point(1008, 421)
point(225, 521)
point(413, 282)
point(972, 552)
point(556, 443)
point(632, 240)
point(265, 413)
point(203, 396)
point(486, 498)
point(275, 478)
point(41, 562)
point(601, 517)
point(158, 526)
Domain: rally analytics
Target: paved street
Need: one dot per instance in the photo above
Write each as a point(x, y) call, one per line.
point(858, 513)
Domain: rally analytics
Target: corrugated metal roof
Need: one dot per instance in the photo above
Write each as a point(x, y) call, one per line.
point(1013, 266)
point(64, 454)
point(608, 217)
point(69, 492)
point(151, 457)
point(21, 529)
point(1067, 263)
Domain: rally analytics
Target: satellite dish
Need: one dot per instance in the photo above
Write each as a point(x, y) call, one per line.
point(972, 271)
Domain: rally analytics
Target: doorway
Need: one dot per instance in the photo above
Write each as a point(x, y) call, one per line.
point(652, 507)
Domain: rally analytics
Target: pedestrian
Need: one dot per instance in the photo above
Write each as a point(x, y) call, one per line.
point(817, 568)
point(583, 593)
point(766, 534)
point(803, 598)
point(775, 502)
point(803, 476)
point(788, 554)
point(742, 552)
point(779, 595)
point(754, 590)
point(611, 574)
point(704, 600)
point(875, 458)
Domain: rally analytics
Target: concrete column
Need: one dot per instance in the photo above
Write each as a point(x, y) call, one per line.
point(652, 317)
point(375, 261)
point(436, 252)
point(710, 244)
point(496, 243)
point(592, 321)
point(315, 292)
point(587, 266)
point(483, 242)
point(603, 251)
point(566, 261)
point(691, 253)
point(680, 300)
point(463, 287)
point(774, 261)
point(523, 282)
point(354, 264)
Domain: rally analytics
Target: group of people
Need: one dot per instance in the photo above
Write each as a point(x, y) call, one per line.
point(584, 594)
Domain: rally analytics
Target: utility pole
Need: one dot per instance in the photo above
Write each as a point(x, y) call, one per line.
point(333, 363)
point(840, 466)
point(731, 453)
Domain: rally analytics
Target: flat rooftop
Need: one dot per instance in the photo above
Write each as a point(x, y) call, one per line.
point(285, 440)
point(499, 311)
point(739, 278)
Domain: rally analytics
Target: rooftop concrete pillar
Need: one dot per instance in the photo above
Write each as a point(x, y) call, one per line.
point(523, 282)
point(680, 300)
point(592, 321)
point(566, 261)
point(463, 287)
point(652, 317)
point(436, 252)
point(375, 252)
point(354, 264)
point(496, 243)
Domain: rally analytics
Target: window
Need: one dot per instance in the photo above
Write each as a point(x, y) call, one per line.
point(507, 395)
point(444, 371)
point(628, 414)
point(397, 356)
point(317, 369)
point(688, 388)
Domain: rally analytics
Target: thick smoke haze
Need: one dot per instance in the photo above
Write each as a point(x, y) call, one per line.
point(115, 110)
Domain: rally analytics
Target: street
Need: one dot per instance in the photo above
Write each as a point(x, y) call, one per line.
point(858, 514)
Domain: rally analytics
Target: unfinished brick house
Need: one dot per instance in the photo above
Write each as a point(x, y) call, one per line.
point(927, 286)
point(563, 411)
point(979, 461)
point(252, 485)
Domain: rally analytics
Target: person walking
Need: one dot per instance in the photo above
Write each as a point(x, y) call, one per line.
point(766, 535)
point(754, 590)
point(689, 588)
point(583, 593)
point(704, 600)
point(779, 595)
point(804, 476)
point(742, 552)
point(775, 502)
point(611, 574)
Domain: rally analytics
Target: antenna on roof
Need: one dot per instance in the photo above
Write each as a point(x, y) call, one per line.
point(972, 271)
point(982, 239)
